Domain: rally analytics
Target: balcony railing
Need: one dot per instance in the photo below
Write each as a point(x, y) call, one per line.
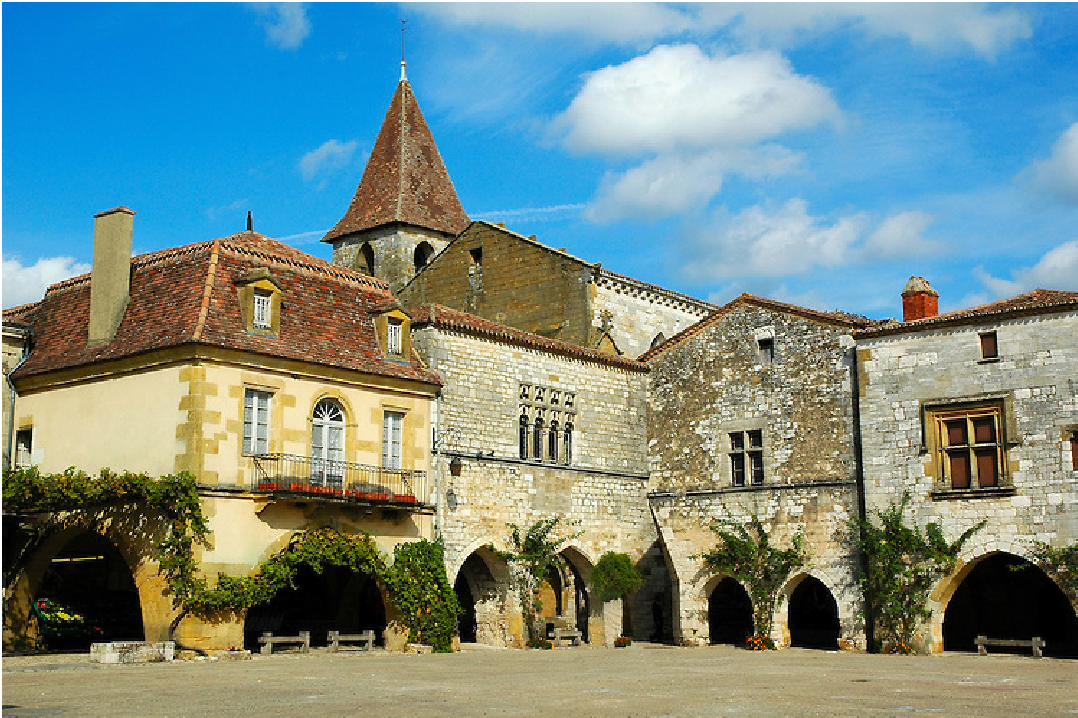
point(339, 479)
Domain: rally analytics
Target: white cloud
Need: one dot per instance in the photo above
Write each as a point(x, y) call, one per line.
point(900, 235)
point(984, 28)
point(232, 209)
point(554, 212)
point(331, 155)
point(1057, 269)
point(676, 97)
point(758, 242)
point(286, 23)
point(675, 182)
point(28, 284)
point(623, 22)
point(1059, 173)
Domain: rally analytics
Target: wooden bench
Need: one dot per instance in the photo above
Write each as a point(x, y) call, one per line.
point(562, 634)
point(1036, 643)
point(336, 638)
point(268, 640)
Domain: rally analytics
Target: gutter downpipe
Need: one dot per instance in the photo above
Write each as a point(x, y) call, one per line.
point(859, 477)
point(11, 386)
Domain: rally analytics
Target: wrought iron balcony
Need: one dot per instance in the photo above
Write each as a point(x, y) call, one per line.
point(291, 473)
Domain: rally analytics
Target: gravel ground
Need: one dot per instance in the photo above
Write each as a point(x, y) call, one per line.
point(641, 680)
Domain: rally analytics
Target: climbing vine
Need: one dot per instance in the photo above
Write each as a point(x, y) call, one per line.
point(534, 554)
point(417, 582)
point(745, 552)
point(1061, 564)
point(901, 564)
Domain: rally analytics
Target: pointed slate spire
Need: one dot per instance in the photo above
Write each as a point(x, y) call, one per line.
point(405, 179)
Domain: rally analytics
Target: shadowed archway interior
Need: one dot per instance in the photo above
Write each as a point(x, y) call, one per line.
point(729, 613)
point(813, 616)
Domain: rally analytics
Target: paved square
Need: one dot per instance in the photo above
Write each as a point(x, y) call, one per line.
point(641, 680)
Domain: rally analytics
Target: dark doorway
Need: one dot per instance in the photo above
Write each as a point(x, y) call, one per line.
point(813, 616)
point(581, 601)
point(466, 622)
point(1005, 596)
point(729, 613)
point(338, 598)
point(88, 595)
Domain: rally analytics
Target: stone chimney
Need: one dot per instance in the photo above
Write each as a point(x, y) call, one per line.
point(110, 276)
point(919, 300)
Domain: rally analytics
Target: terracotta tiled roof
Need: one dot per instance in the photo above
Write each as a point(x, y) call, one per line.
point(1039, 301)
point(840, 319)
point(21, 315)
point(189, 295)
point(443, 317)
point(405, 179)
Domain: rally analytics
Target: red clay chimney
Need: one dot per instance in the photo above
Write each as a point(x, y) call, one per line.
point(919, 300)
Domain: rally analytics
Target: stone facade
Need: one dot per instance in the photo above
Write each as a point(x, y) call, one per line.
point(398, 251)
point(600, 491)
point(911, 376)
point(519, 282)
point(751, 411)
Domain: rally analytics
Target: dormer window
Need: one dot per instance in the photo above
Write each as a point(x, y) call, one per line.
point(393, 337)
point(260, 302)
point(262, 311)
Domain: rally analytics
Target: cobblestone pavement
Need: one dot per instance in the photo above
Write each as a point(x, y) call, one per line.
point(637, 681)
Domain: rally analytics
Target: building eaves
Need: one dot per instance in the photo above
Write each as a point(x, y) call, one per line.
point(636, 286)
point(837, 319)
point(1038, 301)
point(442, 317)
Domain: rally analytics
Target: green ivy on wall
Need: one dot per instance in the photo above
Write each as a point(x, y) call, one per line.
point(416, 581)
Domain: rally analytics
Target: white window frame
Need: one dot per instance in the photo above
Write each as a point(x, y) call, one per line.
point(393, 338)
point(256, 421)
point(263, 311)
point(392, 426)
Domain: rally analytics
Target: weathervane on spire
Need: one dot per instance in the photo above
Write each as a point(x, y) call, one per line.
point(403, 24)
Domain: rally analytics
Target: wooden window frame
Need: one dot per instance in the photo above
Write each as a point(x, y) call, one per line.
point(963, 450)
point(747, 457)
point(989, 346)
point(392, 445)
point(253, 443)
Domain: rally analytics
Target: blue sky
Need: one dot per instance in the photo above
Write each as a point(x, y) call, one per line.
point(816, 154)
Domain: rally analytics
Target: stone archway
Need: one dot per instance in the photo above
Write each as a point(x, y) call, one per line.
point(483, 589)
point(586, 615)
point(1001, 595)
point(812, 615)
point(133, 535)
point(729, 612)
point(336, 598)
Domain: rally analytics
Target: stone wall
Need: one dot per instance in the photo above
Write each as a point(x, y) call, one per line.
point(905, 377)
point(639, 312)
point(786, 377)
point(394, 249)
point(602, 492)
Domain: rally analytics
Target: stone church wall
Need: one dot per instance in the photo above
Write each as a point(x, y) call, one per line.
point(394, 249)
point(639, 313)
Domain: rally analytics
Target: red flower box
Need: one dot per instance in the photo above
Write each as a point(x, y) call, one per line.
point(406, 498)
point(269, 486)
point(297, 487)
point(378, 497)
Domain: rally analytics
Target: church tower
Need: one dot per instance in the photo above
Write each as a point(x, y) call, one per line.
point(405, 209)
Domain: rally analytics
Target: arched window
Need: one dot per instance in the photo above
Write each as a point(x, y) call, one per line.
point(523, 436)
point(327, 444)
point(365, 260)
point(537, 438)
point(423, 253)
point(552, 443)
point(567, 457)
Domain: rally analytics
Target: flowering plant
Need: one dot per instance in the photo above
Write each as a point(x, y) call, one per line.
point(540, 643)
point(622, 642)
point(903, 649)
point(759, 642)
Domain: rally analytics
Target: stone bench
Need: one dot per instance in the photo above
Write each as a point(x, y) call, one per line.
point(336, 638)
point(1036, 643)
point(268, 641)
point(563, 634)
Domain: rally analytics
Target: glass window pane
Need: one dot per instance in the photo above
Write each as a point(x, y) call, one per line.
point(737, 441)
point(984, 430)
point(756, 439)
point(987, 467)
point(737, 465)
point(956, 432)
point(756, 459)
point(959, 464)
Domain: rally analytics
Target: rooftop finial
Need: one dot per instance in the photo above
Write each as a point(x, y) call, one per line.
point(404, 77)
point(250, 224)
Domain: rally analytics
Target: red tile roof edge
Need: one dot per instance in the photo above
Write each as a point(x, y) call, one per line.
point(1051, 301)
point(443, 317)
point(841, 319)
